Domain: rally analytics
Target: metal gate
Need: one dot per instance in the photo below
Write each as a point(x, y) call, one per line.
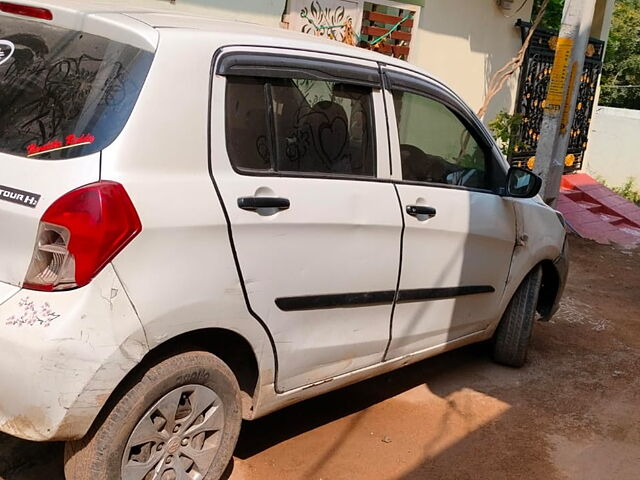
point(534, 81)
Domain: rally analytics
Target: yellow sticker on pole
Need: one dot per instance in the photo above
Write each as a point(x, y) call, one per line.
point(567, 104)
point(555, 93)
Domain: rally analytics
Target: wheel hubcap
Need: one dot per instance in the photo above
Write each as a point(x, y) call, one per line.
point(178, 438)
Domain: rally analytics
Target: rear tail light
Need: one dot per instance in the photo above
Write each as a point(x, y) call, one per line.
point(79, 234)
point(26, 11)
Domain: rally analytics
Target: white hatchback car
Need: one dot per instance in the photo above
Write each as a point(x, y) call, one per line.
point(228, 219)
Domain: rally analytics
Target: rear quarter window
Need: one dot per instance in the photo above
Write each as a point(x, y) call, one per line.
point(65, 93)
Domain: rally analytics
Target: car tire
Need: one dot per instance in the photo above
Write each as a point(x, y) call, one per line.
point(511, 339)
point(190, 381)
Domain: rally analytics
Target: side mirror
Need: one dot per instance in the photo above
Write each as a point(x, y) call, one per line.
point(522, 183)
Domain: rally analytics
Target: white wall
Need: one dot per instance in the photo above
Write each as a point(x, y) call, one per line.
point(613, 152)
point(265, 12)
point(463, 42)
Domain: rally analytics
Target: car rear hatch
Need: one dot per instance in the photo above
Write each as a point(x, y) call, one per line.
point(69, 81)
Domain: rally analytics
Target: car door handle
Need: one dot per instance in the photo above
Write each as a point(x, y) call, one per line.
point(415, 210)
point(254, 203)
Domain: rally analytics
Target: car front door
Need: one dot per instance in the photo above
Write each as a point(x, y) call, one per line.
point(459, 235)
point(298, 154)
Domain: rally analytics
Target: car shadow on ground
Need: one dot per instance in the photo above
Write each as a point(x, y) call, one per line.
point(261, 434)
point(23, 460)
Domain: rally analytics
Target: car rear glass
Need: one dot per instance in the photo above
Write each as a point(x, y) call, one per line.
point(64, 93)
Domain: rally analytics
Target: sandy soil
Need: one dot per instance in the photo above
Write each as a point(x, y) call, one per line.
point(572, 413)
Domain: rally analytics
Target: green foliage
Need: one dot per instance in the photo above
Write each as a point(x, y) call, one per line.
point(628, 191)
point(552, 16)
point(472, 160)
point(621, 71)
point(505, 130)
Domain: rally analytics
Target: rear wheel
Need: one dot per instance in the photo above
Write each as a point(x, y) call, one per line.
point(511, 340)
point(180, 421)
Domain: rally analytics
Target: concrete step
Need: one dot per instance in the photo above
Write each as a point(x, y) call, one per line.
point(593, 211)
point(588, 205)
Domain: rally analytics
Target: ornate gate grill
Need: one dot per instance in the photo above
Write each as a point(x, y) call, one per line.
point(534, 80)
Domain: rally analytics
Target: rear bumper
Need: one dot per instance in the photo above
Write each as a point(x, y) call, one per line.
point(62, 354)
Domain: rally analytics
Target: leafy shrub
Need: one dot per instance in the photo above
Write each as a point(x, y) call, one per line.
point(628, 191)
point(505, 130)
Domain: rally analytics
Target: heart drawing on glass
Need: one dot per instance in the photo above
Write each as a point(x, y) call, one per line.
point(334, 136)
point(6, 50)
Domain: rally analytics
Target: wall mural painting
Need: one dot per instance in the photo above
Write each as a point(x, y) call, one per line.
point(334, 20)
point(374, 26)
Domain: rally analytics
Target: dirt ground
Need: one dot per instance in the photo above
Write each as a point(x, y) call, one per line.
point(573, 412)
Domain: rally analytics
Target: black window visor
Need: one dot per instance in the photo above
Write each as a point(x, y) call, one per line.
point(292, 66)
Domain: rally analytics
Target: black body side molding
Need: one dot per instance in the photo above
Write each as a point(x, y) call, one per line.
point(368, 299)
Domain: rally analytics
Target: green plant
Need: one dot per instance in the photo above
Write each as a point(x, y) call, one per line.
point(628, 191)
point(505, 130)
point(621, 70)
point(552, 16)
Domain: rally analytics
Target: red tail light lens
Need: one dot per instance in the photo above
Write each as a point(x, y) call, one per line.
point(26, 10)
point(79, 234)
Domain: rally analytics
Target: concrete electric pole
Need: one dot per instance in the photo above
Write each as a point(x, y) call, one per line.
point(555, 130)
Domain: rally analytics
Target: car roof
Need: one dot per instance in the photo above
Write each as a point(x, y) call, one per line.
point(162, 19)
point(162, 14)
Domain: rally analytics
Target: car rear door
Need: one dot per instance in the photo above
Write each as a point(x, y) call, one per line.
point(459, 234)
point(299, 157)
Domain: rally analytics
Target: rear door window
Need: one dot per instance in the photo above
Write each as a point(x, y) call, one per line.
point(300, 126)
point(65, 93)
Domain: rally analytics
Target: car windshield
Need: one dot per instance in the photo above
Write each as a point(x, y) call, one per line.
point(65, 93)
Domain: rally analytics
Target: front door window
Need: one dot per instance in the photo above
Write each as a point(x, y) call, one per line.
point(435, 146)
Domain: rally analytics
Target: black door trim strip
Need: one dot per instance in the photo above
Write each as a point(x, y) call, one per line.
point(383, 297)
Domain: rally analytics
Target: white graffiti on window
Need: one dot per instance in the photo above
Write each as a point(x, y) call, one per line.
point(6, 50)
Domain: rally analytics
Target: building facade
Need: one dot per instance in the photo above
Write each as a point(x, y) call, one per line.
point(462, 42)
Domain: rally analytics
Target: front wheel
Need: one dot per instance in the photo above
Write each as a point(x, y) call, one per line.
point(179, 421)
point(511, 340)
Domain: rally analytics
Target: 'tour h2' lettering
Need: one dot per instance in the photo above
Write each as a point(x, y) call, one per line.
point(19, 197)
